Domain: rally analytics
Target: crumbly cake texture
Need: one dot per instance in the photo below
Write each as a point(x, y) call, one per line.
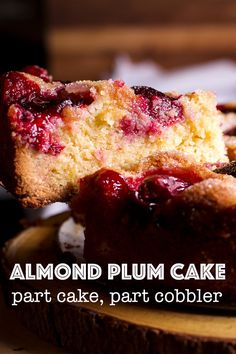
point(53, 133)
point(177, 212)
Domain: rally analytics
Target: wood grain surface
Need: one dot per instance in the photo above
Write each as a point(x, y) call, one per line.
point(15, 338)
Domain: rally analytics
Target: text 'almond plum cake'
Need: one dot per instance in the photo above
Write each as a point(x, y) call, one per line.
point(54, 133)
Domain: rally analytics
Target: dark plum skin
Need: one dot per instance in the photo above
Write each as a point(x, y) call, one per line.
point(158, 188)
point(166, 110)
point(160, 110)
point(108, 191)
point(36, 113)
point(32, 117)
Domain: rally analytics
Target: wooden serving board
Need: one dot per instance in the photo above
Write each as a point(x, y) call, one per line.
point(91, 328)
point(15, 338)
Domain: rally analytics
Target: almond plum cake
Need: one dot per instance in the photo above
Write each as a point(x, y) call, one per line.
point(54, 133)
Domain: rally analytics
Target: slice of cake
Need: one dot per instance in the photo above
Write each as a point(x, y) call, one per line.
point(53, 133)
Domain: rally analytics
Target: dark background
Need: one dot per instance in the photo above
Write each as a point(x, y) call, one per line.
point(22, 24)
point(80, 39)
